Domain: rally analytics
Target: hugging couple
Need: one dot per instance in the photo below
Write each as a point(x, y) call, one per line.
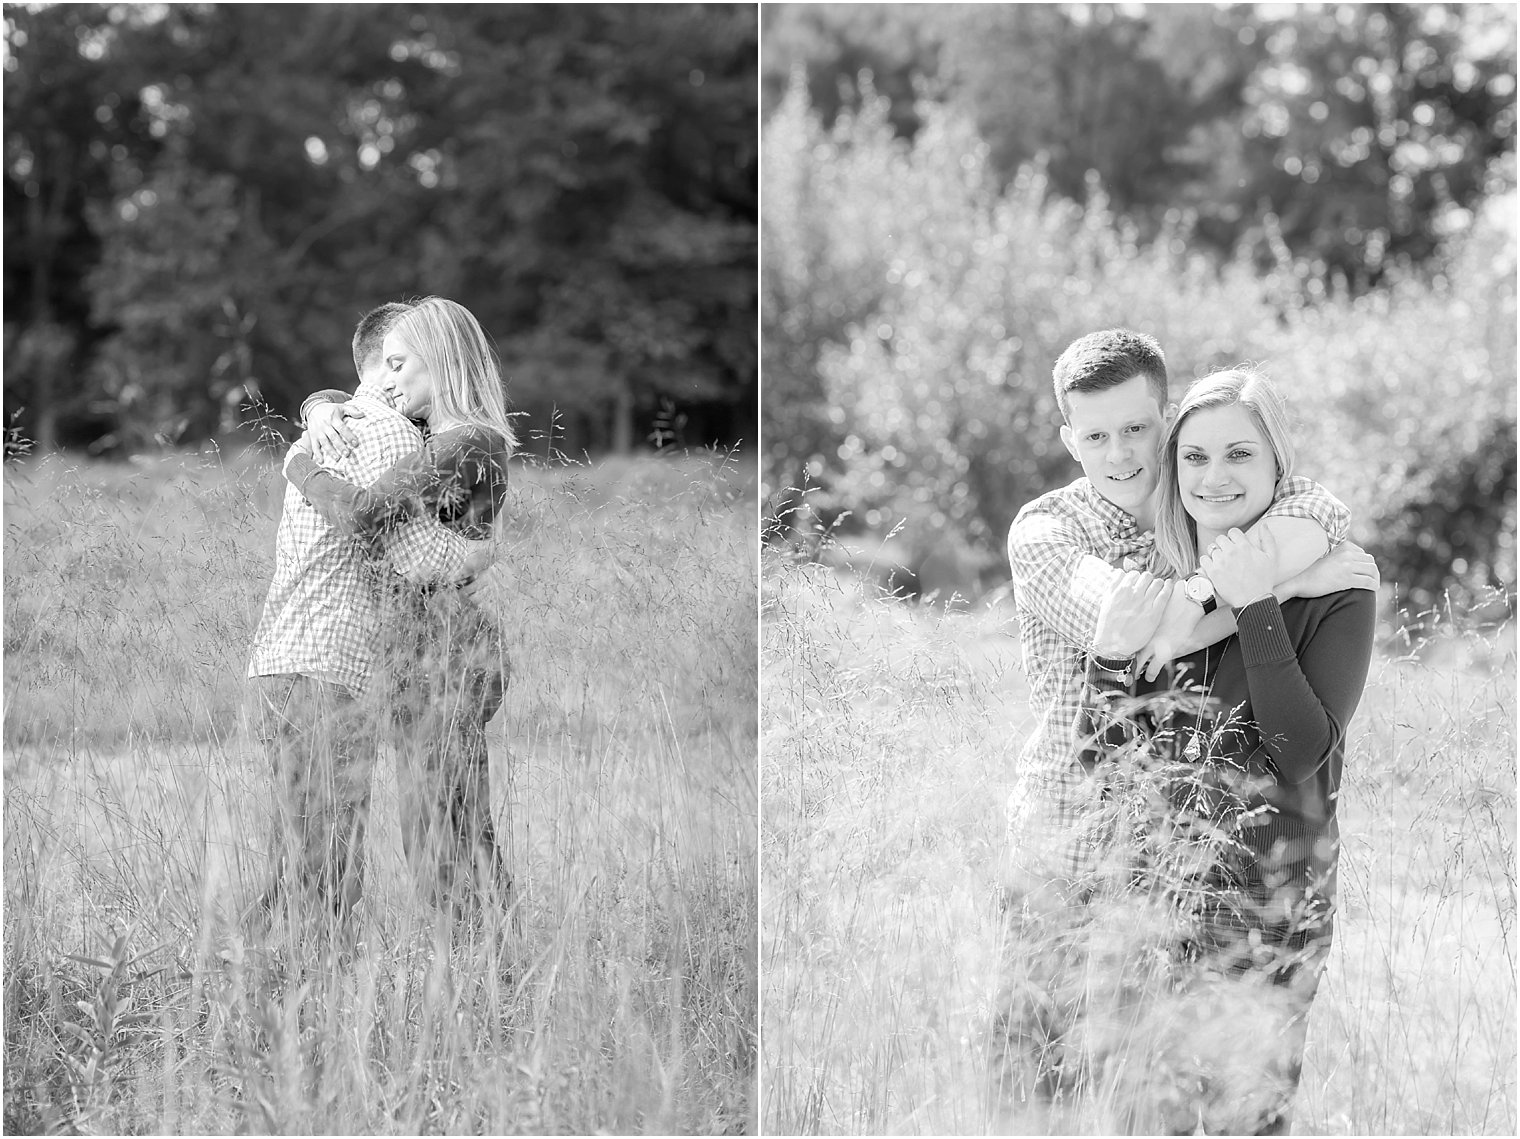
point(372, 627)
point(1190, 558)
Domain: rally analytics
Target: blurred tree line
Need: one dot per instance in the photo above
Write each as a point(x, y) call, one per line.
point(201, 199)
point(1046, 171)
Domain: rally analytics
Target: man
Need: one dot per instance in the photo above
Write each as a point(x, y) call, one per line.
point(1068, 551)
point(315, 652)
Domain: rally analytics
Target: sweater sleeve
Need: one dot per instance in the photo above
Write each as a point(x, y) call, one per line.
point(401, 492)
point(1302, 701)
point(326, 395)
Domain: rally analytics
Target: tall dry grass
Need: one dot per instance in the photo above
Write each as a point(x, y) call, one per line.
point(889, 736)
point(136, 807)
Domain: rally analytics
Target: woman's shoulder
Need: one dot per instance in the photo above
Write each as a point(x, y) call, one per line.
point(471, 442)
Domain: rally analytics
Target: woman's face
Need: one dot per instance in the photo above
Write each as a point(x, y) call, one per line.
point(1226, 470)
point(407, 378)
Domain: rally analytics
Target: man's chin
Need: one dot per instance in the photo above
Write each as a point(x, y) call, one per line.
point(1128, 495)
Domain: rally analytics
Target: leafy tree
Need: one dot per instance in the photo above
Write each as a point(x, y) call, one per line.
point(581, 177)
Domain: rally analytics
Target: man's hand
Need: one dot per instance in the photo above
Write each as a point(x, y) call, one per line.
point(1242, 567)
point(481, 557)
point(1172, 636)
point(329, 438)
point(487, 579)
point(1348, 566)
point(1130, 614)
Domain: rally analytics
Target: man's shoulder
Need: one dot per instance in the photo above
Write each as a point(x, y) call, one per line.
point(1074, 500)
point(380, 418)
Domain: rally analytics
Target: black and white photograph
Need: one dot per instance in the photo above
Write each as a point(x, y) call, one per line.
point(381, 557)
point(1137, 620)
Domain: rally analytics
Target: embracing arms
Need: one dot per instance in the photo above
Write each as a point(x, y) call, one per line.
point(1303, 521)
point(460, 474)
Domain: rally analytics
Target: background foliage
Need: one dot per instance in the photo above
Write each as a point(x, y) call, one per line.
point(201, 199)
point(1204, 174)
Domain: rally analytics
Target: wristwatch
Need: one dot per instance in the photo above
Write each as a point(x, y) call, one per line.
point(1200, 589)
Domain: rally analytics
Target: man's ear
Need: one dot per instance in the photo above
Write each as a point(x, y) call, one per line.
point(1169, 414)
point(1070, 442)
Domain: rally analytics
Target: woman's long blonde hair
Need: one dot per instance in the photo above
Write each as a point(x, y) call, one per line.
point(467, 382)
point(1176, 533)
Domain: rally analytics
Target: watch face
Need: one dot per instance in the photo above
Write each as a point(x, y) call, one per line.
point(1199, 588)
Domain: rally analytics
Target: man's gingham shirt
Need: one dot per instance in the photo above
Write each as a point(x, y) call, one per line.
point(1067, 550)
point(322, 615)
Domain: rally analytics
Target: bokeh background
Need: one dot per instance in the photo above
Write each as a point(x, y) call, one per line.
point(952, 194)
point(201, 199)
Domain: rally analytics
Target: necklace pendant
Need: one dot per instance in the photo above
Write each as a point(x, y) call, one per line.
point(1194, 751)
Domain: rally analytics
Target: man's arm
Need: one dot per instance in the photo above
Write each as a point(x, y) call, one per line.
point(1058, 577)
point(1305, 521)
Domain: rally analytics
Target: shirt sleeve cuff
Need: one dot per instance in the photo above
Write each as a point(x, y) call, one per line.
point(300, 468)
point(1263, 632)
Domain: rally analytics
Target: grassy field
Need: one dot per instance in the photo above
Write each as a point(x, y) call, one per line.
point(889, 735)
point(136, 806)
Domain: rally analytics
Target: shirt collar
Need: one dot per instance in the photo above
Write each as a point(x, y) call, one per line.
point(1119, 523)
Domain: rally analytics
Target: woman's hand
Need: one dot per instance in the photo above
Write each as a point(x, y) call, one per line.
point(328, 437)
point(1173, 636)
point(1130, 614)
point(1242, 567)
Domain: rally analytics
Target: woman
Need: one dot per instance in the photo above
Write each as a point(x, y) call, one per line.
point(444, 656)
point(1266, 740)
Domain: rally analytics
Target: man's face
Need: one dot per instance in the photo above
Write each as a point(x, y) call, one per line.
point(406, 377)
point(1116, 435)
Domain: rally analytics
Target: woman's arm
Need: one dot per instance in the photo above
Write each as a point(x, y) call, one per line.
point(1302, 701)
point(403, 491)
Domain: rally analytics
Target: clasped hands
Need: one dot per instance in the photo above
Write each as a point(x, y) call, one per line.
point(1151, 619)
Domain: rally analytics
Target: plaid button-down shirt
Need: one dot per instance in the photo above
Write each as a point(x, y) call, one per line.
point(1067, 550)
point(322, 615)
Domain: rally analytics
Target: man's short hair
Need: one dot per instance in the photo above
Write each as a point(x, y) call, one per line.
point(370, 333)
point(1103, 360)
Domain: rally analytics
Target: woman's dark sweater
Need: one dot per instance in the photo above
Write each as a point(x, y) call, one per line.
point(1287, 685)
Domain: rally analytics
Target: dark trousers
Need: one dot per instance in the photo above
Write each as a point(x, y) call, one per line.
point(320, 747)
point(448, 678)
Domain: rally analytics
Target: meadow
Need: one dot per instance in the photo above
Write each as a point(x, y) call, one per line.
point(136, 806)
point(889, 734)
